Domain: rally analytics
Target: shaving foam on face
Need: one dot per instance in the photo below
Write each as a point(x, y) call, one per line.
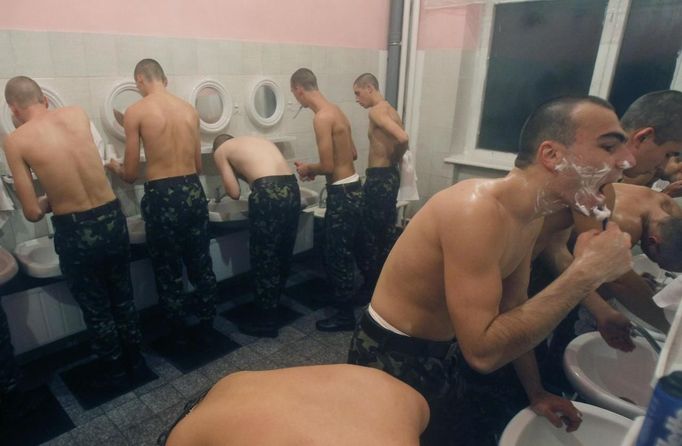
point(601, 213)
point(625, 165)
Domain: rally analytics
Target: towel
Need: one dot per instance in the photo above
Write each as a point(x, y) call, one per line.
point(6, 204)
point(669, 297)
point(408, 179)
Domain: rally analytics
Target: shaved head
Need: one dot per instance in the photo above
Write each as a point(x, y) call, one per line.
point(22, 91)
point(220, 139)
point(305, 78)
point(366, 79)
point(150, 70)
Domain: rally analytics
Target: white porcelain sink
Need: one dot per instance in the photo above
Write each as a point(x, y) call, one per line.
point(599, 427)
point(38, 258)
point(610, 378)
point(136, 232)
point(228, 210)
point(8, 266)
point(308, 197)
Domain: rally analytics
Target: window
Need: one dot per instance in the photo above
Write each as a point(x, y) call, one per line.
point(534, 50)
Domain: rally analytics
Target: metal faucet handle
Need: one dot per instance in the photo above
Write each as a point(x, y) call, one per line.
point(641, 331)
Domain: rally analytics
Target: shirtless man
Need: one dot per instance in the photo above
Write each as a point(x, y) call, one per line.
point(328, 405)
point(174, 204)
point(387, 145)
point(91, 236)
point(274, 208)
point(344, 194)
point(654, 125)
point(460, 271)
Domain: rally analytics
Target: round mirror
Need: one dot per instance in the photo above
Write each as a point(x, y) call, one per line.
point(213, 104)
point(7, 120)
point(122, 96)
point(266, 103)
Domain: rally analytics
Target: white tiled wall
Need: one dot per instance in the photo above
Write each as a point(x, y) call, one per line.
point(82, 68)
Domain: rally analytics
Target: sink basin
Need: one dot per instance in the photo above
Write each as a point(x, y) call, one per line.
point(308, 197)
point(8, 266)
point(228, 210)
point(599, 427)
point(136, 232)
point(38, 258)
point(609, 378)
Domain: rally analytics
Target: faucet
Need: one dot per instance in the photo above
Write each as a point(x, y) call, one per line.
point(647, 336)
point(219, 195)
point(322, 199)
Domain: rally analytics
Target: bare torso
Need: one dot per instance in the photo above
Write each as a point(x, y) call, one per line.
point(382, 147)
point(331, 405)
point(254, 158)
point(410, 293)
point(58, 146)
point(169, 128)
point(342, 143)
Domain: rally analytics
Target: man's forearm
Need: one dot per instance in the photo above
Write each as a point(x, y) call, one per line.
point(526, 367)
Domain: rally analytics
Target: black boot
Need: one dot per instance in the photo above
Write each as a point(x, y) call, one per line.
point(110, 374)
point(342, 320)
point(17, 404)
point(179, 335)
point(135, 364)
point(262, 324)
point(203, 334)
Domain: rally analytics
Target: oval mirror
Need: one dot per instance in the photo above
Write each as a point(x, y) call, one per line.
point(265, 103)
point(7, 120)
point(121, 96)
point(214, 105)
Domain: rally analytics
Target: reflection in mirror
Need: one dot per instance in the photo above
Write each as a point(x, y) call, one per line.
point(122, 101)
point(265, 101)
point(209, 104)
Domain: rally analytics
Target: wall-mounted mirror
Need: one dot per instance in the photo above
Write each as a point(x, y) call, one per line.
point(214, 105)
point(265, 103)
point(121, 96)
point(7, 121)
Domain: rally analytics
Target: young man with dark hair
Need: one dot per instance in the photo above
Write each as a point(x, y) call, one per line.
point(451, 302)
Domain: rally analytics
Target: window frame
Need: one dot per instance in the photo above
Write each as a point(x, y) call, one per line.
point(615, 20)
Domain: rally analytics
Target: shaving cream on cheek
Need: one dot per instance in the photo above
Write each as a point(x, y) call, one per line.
point(624, 165)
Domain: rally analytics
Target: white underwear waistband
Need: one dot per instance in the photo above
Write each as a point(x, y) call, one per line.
point(380, 320)
point(350, 179)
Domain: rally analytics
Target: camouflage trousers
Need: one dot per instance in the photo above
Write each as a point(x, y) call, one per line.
point(94, 256)
point(274, 207)
point(176, 223)
point(379, 216)
point(467, 408)
point(341, 224)
point(8, 366)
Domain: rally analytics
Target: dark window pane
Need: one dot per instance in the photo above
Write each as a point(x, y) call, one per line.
point(539, 50)
point(652, 40)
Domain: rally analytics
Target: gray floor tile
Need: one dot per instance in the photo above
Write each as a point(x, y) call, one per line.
point(95, 431)
point(63, 440)
point(162, 398)
point(191, 384)
point(129, 413)
point(146, 432)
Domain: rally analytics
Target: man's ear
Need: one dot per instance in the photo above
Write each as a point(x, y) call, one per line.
point(550, 154)
point(642, 135)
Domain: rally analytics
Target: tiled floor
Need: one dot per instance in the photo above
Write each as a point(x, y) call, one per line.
point(138, 417)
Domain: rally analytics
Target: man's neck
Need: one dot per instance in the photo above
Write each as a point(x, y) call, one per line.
point(35, 111)
point(317, 101)
point(529, 194)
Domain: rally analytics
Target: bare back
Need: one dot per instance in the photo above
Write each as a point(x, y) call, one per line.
point(411, 291)
point(254, 158)
point(383, 151)
point(59, 147)
point(342, 142)
point(330, 405)
point(169, 128)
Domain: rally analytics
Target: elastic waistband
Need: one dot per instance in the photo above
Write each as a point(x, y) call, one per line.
point(406, 344)
point(91, 214)
point(274, 179)
point(172, 181)
point(347, 187)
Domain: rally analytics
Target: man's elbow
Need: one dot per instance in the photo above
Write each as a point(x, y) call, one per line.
point(403, 139)
point(483, 363)
point(234, 195)
point(128, 177)
point(33, 215)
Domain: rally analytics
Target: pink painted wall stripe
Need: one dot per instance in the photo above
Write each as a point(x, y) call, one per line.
point(453, 27)
point(338, 23)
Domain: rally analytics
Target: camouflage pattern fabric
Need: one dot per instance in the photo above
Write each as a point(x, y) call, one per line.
point(94, 256)
point(274, 208)
point(379, 216)
point(341, 224)
point(176, 225)
point(467, 408)
point(8, 366)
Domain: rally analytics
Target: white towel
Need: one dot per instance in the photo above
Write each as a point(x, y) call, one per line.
point(99, 142)
point(669, 298)
point(408, 179)
point(6, 204)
